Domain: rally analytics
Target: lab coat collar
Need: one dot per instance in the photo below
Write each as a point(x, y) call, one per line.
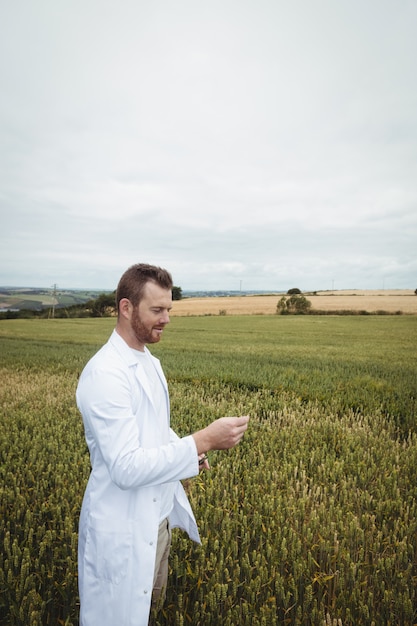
point(131, 360)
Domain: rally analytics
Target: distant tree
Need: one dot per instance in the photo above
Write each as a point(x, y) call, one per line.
point(176, 293)
point(293, 291)
point(415, 292)
point(282, 306)
point(103, 306)
point(296, 304)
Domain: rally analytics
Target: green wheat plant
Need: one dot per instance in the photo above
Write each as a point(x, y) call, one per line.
point(311, 520)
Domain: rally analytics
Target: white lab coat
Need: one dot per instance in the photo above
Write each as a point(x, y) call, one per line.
point(120, 512)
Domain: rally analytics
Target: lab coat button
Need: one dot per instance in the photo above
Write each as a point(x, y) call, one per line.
point(154, 499)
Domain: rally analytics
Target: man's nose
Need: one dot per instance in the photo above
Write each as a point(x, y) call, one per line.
point(165, 318)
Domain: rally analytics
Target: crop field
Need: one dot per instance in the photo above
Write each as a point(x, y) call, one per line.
point(310, 521)
point(35, 299)
point(404, 301)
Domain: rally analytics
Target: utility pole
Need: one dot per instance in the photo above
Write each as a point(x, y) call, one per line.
point(53, 300)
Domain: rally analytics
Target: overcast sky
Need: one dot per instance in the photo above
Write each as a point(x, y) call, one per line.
point(254, 144)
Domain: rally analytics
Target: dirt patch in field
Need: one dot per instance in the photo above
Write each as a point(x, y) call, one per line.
point(369, 301)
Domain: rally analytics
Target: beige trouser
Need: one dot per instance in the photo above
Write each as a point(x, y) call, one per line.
point(160, 578)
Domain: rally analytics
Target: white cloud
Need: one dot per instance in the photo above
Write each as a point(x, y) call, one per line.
point(228, 140)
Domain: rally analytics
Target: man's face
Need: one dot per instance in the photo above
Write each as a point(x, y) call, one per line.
point(150, 317)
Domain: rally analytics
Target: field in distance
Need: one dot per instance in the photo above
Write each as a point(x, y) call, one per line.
point(371, 301)
point(36, 299)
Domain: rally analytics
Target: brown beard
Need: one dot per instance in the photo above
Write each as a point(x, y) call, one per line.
point(141, 332)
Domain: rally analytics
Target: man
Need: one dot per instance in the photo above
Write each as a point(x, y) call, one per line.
point(134, 494)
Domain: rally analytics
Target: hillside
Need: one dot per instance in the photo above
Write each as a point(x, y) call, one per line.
point(38, 299)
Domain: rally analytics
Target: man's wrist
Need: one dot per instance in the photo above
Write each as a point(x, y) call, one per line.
point(202, 441)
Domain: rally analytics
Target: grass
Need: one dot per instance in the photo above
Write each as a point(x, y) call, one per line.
point(313, 518)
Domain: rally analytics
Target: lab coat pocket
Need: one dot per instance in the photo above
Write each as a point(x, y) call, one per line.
point(109, 549)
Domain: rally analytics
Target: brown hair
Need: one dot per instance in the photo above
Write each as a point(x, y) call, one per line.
point(133, 281)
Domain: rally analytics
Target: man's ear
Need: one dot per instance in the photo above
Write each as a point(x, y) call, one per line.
point(125, 307)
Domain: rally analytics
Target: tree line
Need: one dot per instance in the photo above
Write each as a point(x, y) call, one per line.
point(102, 306)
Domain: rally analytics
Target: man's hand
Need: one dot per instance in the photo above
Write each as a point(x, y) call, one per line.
point(222, 434)
point(203, 462)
